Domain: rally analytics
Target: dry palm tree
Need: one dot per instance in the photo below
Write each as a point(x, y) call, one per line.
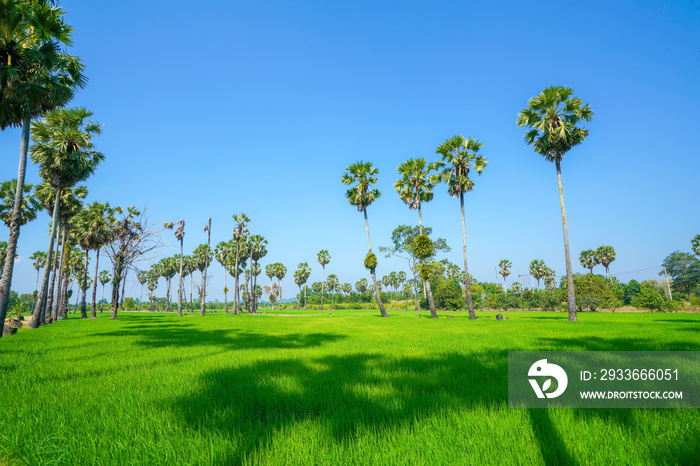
point(552, 118)
point(363, 175)
point(459, 156)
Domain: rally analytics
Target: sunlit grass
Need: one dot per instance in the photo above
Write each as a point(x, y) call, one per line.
point(348, 389)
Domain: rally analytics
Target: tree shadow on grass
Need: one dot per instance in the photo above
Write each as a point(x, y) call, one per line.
point(591, 343)
point(345, 395)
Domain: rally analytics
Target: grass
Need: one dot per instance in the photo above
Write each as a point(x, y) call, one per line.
point(349, 389)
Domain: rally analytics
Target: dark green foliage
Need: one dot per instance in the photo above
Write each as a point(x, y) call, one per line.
point(592, 292)
point(423, 247)
point(684, 270)
point(447, 294)
point(650, 298)
point(632, 289)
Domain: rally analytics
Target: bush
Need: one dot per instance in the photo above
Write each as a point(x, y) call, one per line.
point(447, 294)
point(650, 298)
point(592, 292)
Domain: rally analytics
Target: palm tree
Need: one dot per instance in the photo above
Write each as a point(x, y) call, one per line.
point(142, 277)
point(280, 273)
point(39, 262)
point(504, 267)
point(415, 187)
point(333, 285)
point(258, 250)
point(588, 259)
point(202, 258)
point(551, 118)
point(64, 151)
point(301, 275)
point(361, 285)
point(30, 204)
point(695, 244)
point(203, 304)
point(168, 269)
point(605, 256)
point(36, 77)
point(538, 270)
point(549, 278)
point(180, 235)
point(273, 290)
point(240, 232)
point(222, 253)
point(364, 176)
point(323, 258)
point(516, 288)
point(93, 228)
point(104, 277)
point(459, 156)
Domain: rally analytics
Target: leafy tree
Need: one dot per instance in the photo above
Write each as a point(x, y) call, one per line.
point(632, 289)
point(504, 269)
point(323, 258)
point(240, 232)
point(605, 255)
point(592, 292)
point(552, 118)
point(684, 270)
point(459, 157)
point(588, 259)
point(65, 153)
point(447, 294)
point(538, 270)
point(516, 288)
point(364, 176)
point(35, 77)
point(346, 288)
point(650, 298)
point(301, 275)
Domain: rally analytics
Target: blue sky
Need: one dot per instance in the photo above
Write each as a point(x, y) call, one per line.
point(258, 107)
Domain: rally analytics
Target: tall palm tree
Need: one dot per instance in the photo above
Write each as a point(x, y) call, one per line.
point(538, 270)
point(280, 273)
point(549, 278)
point(551, 118)
point(416, 187)
point(39, 262)
point(323, 258)
point(203, 303)
point(104, 277)
point(605, 255)
point(240, 232)
point(168, 269)
point(65, 153)
point(588, 259)
point(301, 275)
point(202, 257)
point(258, 250)
point(504, 269)
point(459, 156)
point(180, 235)
point(35, 77)
point(93, 229)
point(222, 253)
point(333, 285)
point(364, 176)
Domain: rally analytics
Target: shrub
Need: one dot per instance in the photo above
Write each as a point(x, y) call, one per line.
point(592, 292)
point(650, 298)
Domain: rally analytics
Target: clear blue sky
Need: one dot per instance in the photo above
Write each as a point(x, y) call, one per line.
point(215, 107)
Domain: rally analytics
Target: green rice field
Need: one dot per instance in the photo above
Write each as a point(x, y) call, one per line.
point(308, 388)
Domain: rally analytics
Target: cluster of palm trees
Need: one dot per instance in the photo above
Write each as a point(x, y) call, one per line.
point(602, 255)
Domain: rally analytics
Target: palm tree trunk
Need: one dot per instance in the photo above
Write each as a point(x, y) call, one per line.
point(235, 290)
point(103, 298)
point(179, 284)
point(374, 277)
point(203, 302)
point(299, 300)
point(8, 266)
point(467, 278)
point(225, 291)
point(323, 283)
point(116, 282)
point(83, 288)
point(305, 295)
point(433, 313)
point(93, 310)
point(126, 272)
point(571, 297)
point(36, 288)
point(168, 306)
point(41, 301)
point(63, 308)
point(62, 233)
